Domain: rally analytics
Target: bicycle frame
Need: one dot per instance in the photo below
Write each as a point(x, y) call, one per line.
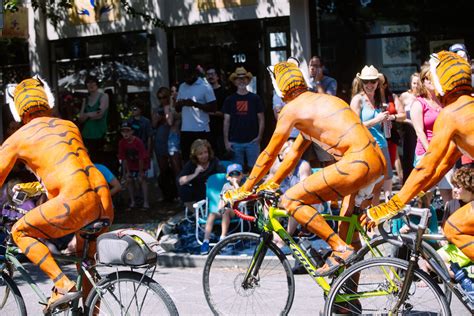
point(13, 251)
point(273, 225)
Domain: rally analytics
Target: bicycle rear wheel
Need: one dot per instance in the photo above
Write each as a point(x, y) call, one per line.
point(224, 272)
point(129, 293)
point(11, 301)
point(379, 284)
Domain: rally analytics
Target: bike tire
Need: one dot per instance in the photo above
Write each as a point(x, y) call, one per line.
point(12, 302)
point(119, 292)
point(426, 252)
point(372, 277)
point(223, 274)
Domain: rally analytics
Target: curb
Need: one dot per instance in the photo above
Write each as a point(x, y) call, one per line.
point(181, 260)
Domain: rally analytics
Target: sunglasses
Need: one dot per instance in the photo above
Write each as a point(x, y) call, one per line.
point(235, 174)
point(374, 81)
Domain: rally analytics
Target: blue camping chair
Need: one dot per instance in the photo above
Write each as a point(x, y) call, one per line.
point(203, 208)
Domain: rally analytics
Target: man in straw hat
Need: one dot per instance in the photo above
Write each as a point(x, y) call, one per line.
point(453, 135)
point(328, 121)
point(77, 192)
point(244, 120)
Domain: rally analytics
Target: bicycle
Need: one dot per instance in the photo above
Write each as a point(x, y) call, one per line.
point(255, 267)
point(121, 292)
point(393, 286)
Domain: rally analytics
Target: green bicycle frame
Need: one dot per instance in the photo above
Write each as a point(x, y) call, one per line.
point(273, 225)
point(13, 251)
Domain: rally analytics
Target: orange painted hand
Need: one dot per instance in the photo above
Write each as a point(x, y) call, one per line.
point(232, 196)
point(384, 211)
point(366, 222)
point(268, 186)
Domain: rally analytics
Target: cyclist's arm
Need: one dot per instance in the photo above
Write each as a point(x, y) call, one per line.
point(269, 154)
point(441, 155)
point(291, 159)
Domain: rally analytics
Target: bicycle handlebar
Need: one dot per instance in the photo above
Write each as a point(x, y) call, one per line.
point(424, 215)
point(241, 215)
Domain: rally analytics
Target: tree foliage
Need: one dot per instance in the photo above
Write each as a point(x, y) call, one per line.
point(53, 9)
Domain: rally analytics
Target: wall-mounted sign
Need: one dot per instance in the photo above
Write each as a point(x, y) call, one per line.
point(204, 5)
point(16, 23)
point(88, 12)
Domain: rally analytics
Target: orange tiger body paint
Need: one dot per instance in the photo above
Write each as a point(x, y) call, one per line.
point(78, 194)
point(453, 135)
point(330, 122)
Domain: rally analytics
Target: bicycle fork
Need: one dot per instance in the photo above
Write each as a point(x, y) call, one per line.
point(410, 270)
point(251, 277)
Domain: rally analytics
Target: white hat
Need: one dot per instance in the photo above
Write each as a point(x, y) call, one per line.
point(370, 73)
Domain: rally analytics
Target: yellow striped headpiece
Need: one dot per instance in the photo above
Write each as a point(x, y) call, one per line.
point(31, 98)
point(288, 80)
point(450, 73)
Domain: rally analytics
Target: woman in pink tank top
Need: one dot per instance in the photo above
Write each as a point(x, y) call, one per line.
point(424, 111)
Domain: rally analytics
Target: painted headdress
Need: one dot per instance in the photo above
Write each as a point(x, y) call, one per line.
point(29, 99)
point(288, 80)
point(450, 73)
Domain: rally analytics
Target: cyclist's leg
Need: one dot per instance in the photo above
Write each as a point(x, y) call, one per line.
point(459, 229)
point(53, 219)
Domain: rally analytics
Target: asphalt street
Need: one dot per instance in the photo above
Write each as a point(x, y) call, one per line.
point(184, 284)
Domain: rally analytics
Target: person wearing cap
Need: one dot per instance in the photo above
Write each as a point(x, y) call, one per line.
point(77, 193)
point(234, 176)
point(244, 120)
point(367, 103)
point(452, 136)
point(317, 80)
point(195, 101)
point(93, 117)
point(460, 49)
point(135, 162)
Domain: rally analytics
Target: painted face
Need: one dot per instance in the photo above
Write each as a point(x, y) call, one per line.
point(288, 79)
point(450, 73)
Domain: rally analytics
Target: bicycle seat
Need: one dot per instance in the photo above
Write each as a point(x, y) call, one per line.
point(95, 227)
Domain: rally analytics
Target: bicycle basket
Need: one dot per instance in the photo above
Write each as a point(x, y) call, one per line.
point(127, 247)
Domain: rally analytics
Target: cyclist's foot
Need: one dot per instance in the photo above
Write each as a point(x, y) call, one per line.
point(62, 296)
point(345, 256)
point(336, 260)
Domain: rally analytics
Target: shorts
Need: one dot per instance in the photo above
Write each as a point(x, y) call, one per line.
point(445, 182)
point(174, 145)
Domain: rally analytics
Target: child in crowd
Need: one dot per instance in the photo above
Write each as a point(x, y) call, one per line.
point(234, 178)
point(135, 162)
point(463, 193)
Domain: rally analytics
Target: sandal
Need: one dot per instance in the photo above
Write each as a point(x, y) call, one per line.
point(336, 260)
point(61, 296)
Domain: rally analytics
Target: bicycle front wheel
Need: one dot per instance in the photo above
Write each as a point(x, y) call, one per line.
point(226, 267)
point(373, 287)
point(129, 293)
point(11, 301)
